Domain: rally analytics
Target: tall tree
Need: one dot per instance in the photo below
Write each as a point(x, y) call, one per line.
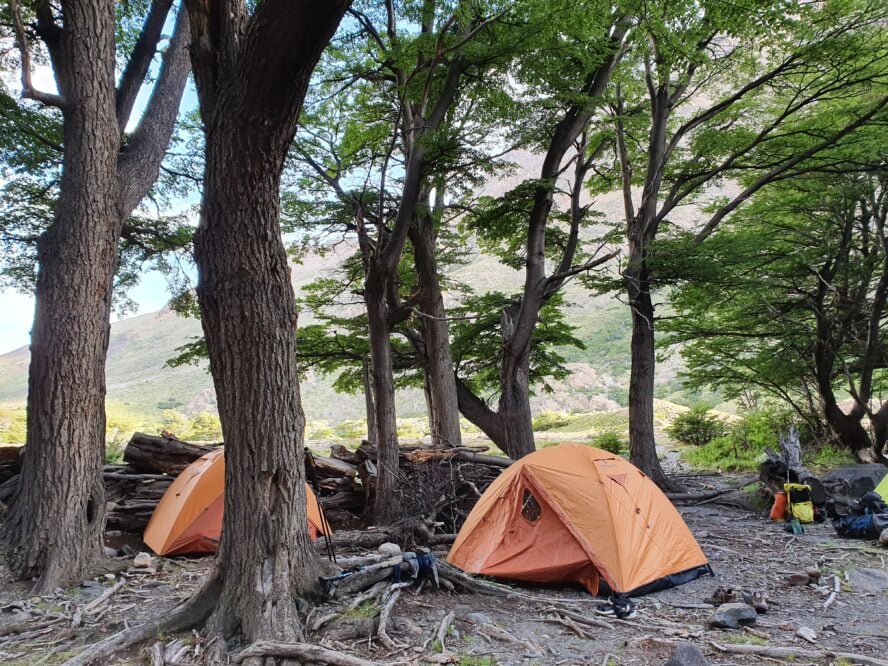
point(594, 45)
point(804, 270)
point(252, 66)
point(55, 524)
point(724, 89)
point(421, 61)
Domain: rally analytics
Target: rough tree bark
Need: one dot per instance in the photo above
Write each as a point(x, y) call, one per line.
point(642, 442)
point(437, 358)
point(383, 390)
point(55, 524)
point(252, 71)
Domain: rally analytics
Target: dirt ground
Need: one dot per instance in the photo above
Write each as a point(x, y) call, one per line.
point(744, 549)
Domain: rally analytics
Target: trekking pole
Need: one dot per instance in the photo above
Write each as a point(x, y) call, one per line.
point(313, 479)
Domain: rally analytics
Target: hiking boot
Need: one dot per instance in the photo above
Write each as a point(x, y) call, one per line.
point(620, 607)
point(723, 596)
point(757, 599)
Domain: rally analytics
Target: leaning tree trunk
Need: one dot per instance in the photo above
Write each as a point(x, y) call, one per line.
point(383, 383)
point(848, 429)
point(248, 313)
point(55, 524)
point(642, 441)
point(440, 380)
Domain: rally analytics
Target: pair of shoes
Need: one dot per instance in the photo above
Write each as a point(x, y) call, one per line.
point(724, 596)
point(757, 599)
point(620, 607)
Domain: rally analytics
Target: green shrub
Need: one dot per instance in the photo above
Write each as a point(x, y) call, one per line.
point(742, 445)
point(611, 442)
point(550, 420)
point(319, 430)
point(831, 456)
point(204, 427)
point(412, 428)
point(468, 428)
point(723, 454)
point(351, 430)
point(697, 426)
point(13, 425)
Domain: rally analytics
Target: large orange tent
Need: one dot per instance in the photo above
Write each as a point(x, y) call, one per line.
point(574, 513)
point(188, 518)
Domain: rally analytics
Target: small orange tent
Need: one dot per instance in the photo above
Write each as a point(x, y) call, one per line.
point(573, 513)
point(188, 518)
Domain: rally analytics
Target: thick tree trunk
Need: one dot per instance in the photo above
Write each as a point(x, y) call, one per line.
point(847, 428)
point(440, 380)
point(383, 396)
point(55, 524)
point(514, 411)
point(879, 424)
point(252, 67)
point(642, 442)
point(249, 320)
point(514, 403)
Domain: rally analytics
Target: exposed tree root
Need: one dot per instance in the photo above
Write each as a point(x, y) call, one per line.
point(444, 628)
point(469, 583)
point(702, 497)
point(384, 617)
point(188, 614)
point(306, 652)
point(797, 653)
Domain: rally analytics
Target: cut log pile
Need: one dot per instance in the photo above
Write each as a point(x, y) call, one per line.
point(438, 485)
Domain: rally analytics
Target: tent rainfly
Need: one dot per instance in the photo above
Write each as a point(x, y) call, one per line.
point(573, 513)
point(188, 518)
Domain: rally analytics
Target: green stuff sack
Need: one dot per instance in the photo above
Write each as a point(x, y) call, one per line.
point(798, 502)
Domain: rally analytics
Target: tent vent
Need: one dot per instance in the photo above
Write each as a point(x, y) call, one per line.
point(530, 508)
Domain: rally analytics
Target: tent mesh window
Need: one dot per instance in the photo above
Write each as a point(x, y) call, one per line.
point(530, 508)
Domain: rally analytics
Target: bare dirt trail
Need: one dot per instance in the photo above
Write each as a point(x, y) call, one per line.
point(744, 548)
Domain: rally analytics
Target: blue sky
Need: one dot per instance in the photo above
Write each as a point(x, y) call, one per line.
point(17, 309)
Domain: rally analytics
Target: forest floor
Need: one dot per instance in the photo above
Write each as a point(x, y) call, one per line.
point(744, 548)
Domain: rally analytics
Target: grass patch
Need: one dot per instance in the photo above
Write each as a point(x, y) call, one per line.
point(365, 610)
point(469, 660)
point(743, 639)
point(831, 456)
point(723, 454)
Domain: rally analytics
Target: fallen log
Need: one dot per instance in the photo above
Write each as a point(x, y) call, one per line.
point(701, 497)
point(9, 454)
point(10, 461)
point(797, 653)
point(483, 459)
point(331, 467)
point(150, 453)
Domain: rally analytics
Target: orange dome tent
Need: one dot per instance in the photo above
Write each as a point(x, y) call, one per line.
point(573, 513)
point(188, 518)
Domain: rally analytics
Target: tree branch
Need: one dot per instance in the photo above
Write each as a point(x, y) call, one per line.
point(139, 162)
point(776, 172)
point(21, 38)
point(559, 277)
point(140, 60)
point(478, 413)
